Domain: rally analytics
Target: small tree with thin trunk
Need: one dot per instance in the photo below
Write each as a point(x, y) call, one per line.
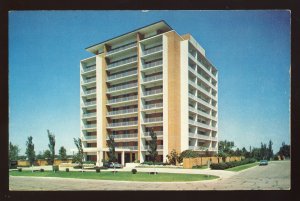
point(153, 147)
point(62, 153)
point(13, 153)
point(30, 153)
point(112, 148)
point(51, 146)
point(79, 155)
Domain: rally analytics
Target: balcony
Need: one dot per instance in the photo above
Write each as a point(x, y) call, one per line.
point(153, 78)
point(154, 119)
point(198, 148)
point(87, 115)
point(122, 87)
point(118, 112)
point(199, 112)
point(152, 92)
point(124, 136)
point(153, 106)
point(128, 147)
point(88, 69)
point(123, 99)
point(90, 149)
point(203, 102)
point(89, 92)
point(119, 124)
point(89, 126)
point(158, 133)
point(89, 138)
point(199, 136)
point(120, 49)
point(121, 63)
point(87, 81)
point(121, 75)
point(152, 50)
point(153, 64)
point(86, 104)
point(147, 147)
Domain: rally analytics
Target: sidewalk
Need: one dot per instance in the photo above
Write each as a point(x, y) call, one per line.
point(221, 173)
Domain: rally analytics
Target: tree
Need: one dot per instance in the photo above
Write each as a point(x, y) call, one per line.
point(30, 151)
point(270, 150)
point(226, 147)
point(40, 156)
point(153, 146)
point(47, 154)
point(79, 155)
point(13, 152)
point(285, 150)
point(112, 148)
point(51, 146)
point(62, 153)
point(173, 157)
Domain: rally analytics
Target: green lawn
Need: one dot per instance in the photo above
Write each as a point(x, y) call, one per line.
point(242, 167)
point(120, 176)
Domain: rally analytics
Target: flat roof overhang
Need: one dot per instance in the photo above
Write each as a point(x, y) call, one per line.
point(162, 25)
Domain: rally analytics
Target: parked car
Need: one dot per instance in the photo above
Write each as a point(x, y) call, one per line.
point(114, 165)
point(263, 162)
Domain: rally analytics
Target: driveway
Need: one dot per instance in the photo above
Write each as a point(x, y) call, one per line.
point(275, 176)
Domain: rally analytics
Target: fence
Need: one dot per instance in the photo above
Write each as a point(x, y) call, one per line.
point(190, 162)
point(42, 162)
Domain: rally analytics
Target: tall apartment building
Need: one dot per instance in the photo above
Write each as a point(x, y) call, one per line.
point(149, 78)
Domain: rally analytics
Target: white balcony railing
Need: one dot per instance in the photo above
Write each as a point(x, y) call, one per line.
point(119, 49)
point(122, 62)
point(132, 110)
point(89, 103)
point(120, 75)
point(152, 64)
point(85, 81)
point(89, 114)
point(123, 99)
point(158, 133)
point(89, 126)
point(92, 91)
point(152, 106)
point(156, 77)
point(152, 50)
point(159, 147)
point(200, 148)
point(126, 123)
point(84, 138)
point(154, 119)
point(156, 91)
point(89, 68)
point(128, 147)
point(200, 136)
point(121, 87)
point(124, 136)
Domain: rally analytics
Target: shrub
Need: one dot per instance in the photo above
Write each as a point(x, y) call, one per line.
point(172, 158)
point(42, 170)
point(55, 168)
point(20, 169)
point(97, 169)
point(77, 167)
point(89, 162)
point(134, 171)
point(226, 165)
point(196, 166)
point(189, 154)
point(67, 170)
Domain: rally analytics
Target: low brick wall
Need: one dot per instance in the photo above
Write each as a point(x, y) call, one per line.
point(40, 162)
point(23, 163)
point(58, 162)
point(190, 162)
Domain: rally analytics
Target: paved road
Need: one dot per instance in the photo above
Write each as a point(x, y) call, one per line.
point(275, 176)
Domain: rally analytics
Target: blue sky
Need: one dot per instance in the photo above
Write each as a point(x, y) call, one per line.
point(251, 50)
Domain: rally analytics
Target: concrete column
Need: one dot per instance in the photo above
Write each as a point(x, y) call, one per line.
point(123, 158)
point(99, 158)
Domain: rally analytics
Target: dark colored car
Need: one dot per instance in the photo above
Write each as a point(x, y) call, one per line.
point(263, 162)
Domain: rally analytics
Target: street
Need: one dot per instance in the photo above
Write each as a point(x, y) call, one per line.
point(275, 176)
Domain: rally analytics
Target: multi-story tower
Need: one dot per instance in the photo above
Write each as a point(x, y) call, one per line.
point(149, 78)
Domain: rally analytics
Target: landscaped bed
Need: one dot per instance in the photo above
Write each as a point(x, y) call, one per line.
point(119, 176)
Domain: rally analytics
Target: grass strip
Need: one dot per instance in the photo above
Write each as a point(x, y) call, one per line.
point(119, 176)
point(241, 167)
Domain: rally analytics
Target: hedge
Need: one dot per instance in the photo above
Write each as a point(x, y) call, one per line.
point(226, 165)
